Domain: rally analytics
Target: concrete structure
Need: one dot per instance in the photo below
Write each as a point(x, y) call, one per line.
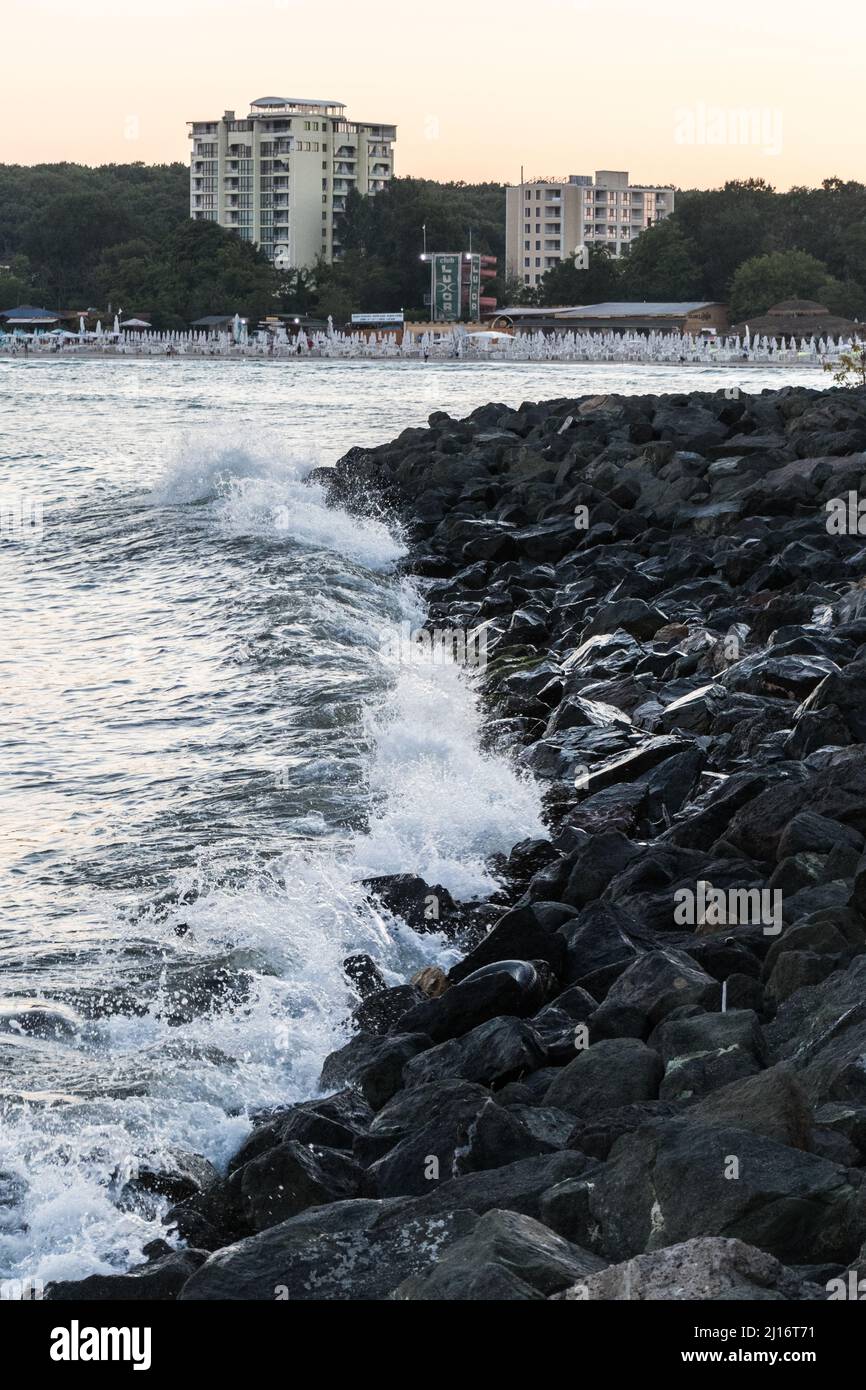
point(691, 316)
point(548, 220)
point(279, 176)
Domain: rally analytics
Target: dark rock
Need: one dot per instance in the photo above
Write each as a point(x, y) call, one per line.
point(373, 1064)
point(499, 1051)
point(703, 1053)
point(381, 1011)
point(656, 983)
point(524, 933)
point(289, 1178)
point(347, 1251)
point(674, 1180)
point(160, 1280)
point(502, 988)
point(515, 1246)
point(611, 1073)
point(465, 1137)
point(364, 974)
point(423, 906)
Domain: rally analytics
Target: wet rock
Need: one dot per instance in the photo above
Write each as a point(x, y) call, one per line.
point(38, 1018)
point(706, 1269)
point(364, 974)
point(523, 1254)
point(423, 906)
point(354, 1250)
point(160, 1280)
point(289, 1178)
point(502, 1050)
point(373, 1064)
point(193, 991)
point(673, 1181)
point(380, 1012)
point(468, 1136)
point(502, 988)
point(528, 932)
point(176, 1175)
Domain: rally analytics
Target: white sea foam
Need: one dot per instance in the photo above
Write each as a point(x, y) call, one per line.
point(437, 807)
point(263, 492)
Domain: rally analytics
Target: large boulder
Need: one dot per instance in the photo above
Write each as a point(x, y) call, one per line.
point(708, 1269)
point(502, 1243)
point(611, 1073)
point(502, 1050)
point(373, 1064)
point(356, 1250)
point(675, 1179)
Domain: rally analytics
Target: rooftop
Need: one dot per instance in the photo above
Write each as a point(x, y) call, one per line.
point(290, 103)
point(613, 310)
point(25, 312)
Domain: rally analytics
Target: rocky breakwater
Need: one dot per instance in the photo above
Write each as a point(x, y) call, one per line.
point(644, 1077)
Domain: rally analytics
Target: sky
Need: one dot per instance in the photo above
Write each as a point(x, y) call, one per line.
point(686, 92)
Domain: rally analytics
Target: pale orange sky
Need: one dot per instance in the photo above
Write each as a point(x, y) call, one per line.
point(476, 87)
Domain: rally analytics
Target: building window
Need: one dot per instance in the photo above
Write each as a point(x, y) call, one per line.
point(526, 262)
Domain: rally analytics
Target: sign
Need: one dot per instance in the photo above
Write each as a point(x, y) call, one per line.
point(377, 318)
point(446, 287)
point(475, 288)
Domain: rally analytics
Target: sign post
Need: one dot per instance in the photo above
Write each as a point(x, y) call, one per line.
point(475, 288)
point(445, 291)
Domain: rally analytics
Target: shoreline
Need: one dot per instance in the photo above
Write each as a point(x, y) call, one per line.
point(417, 361)
point(675, 644)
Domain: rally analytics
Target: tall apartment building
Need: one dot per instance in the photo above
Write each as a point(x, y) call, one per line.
point(547, 220)
point(280, 176)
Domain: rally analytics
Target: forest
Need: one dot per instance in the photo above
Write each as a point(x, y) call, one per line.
point(119, 236)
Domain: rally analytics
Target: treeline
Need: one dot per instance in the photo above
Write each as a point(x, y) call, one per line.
point(74, 237)
point(744, 244)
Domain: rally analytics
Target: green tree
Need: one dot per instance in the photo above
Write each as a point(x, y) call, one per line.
point(661, 266)
point(567, 283)
point(766, 280)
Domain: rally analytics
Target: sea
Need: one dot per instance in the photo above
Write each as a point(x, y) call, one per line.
point(207, 743)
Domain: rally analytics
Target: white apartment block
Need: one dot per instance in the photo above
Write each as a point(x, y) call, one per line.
point(548, 220)
point(279, 176)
